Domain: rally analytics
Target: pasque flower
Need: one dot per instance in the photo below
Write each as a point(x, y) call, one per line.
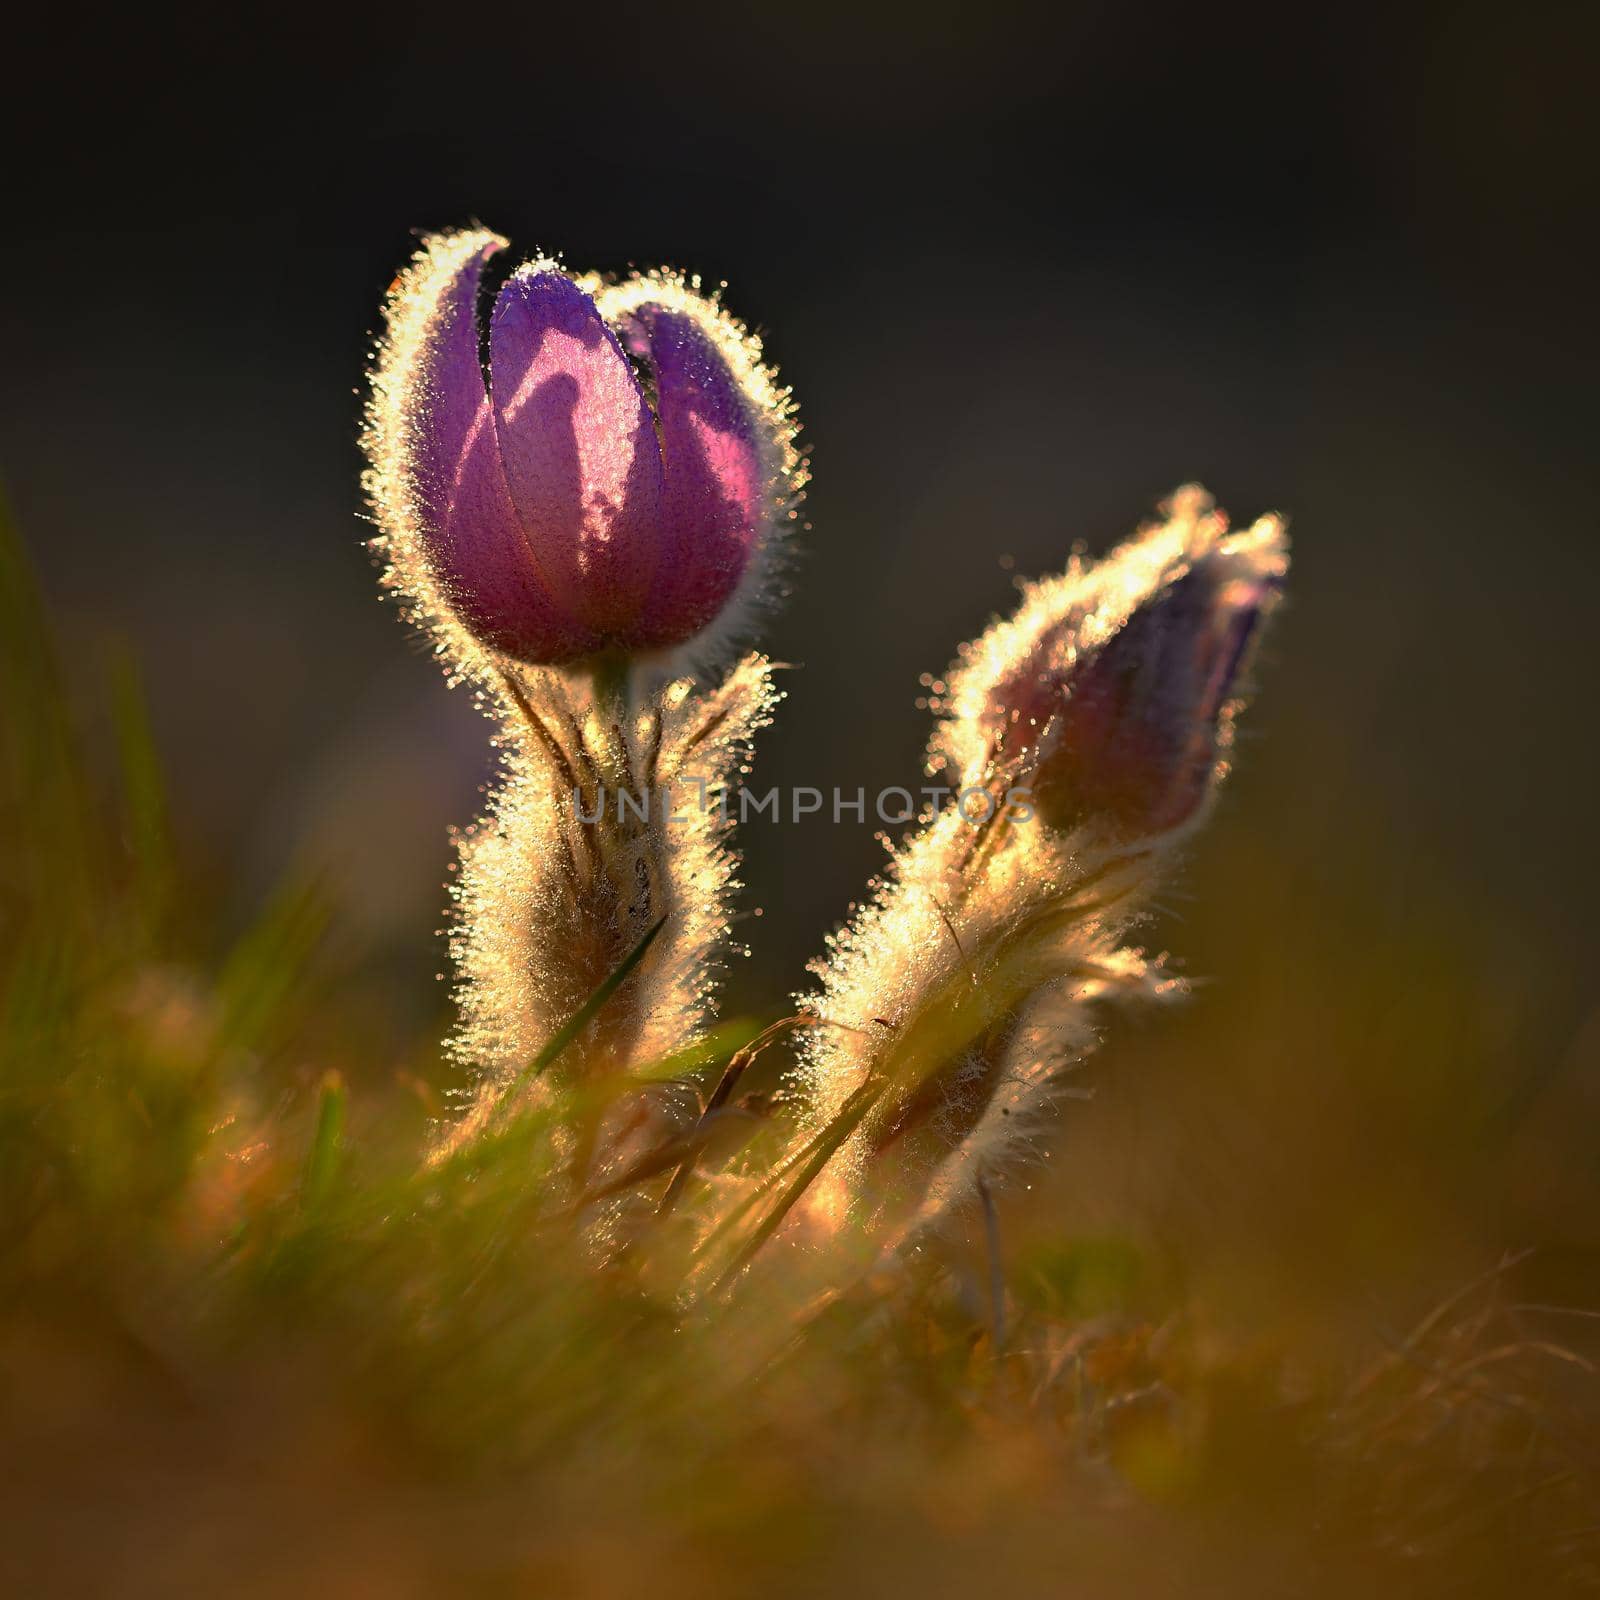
point(573, 479)
point(588, 467)
point(1111, 694)
point(1131, 735)
point(960, 995)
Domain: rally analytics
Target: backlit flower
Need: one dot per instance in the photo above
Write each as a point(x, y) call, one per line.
point(1110, 695)
point(588, 467)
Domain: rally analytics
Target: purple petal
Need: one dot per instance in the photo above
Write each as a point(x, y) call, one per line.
point(487, 569)
point(579, 448)
point(474, 541)
point(1137, 734)
point(714, 501)
point(1209, 660)
point(451, 393)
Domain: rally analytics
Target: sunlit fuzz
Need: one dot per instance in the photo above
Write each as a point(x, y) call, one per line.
point(1111, 691)
point(561, 881)
point(582, 490)
point(957, 999)
point(617, 476)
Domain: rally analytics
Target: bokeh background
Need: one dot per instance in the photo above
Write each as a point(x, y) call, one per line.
point(1027, 270)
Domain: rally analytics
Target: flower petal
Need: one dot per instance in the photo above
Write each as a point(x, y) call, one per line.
point(486, 567)
point(449, 391)
point(714, 504)
point(475, 541)
point(1140, 730)
point(579, 448)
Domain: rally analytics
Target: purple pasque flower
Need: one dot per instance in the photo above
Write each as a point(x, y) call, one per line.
point(1110, 695)
point(1134, 730)
point(610, 479)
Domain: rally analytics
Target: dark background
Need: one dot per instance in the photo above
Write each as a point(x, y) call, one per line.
point(1027, 271)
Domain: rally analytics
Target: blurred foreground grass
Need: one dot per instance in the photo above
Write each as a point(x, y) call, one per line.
point(251, 1344)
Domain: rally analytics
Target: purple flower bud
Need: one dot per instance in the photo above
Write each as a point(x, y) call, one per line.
point(612, 482)
point(1139, 725)
point(1110, 695)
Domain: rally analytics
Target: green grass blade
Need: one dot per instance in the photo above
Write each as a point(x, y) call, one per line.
point(51, 851)
point(327, 1141)
point(269, 962)
point(144, 792)
point(584, 1015)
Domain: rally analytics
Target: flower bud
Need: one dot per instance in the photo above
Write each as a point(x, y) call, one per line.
point(1139, 727)
point(1111, 695)
point(600, 468)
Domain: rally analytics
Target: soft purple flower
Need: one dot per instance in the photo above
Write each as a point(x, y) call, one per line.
point(610, 481)
point(1137, 726)
point(1110, 694)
